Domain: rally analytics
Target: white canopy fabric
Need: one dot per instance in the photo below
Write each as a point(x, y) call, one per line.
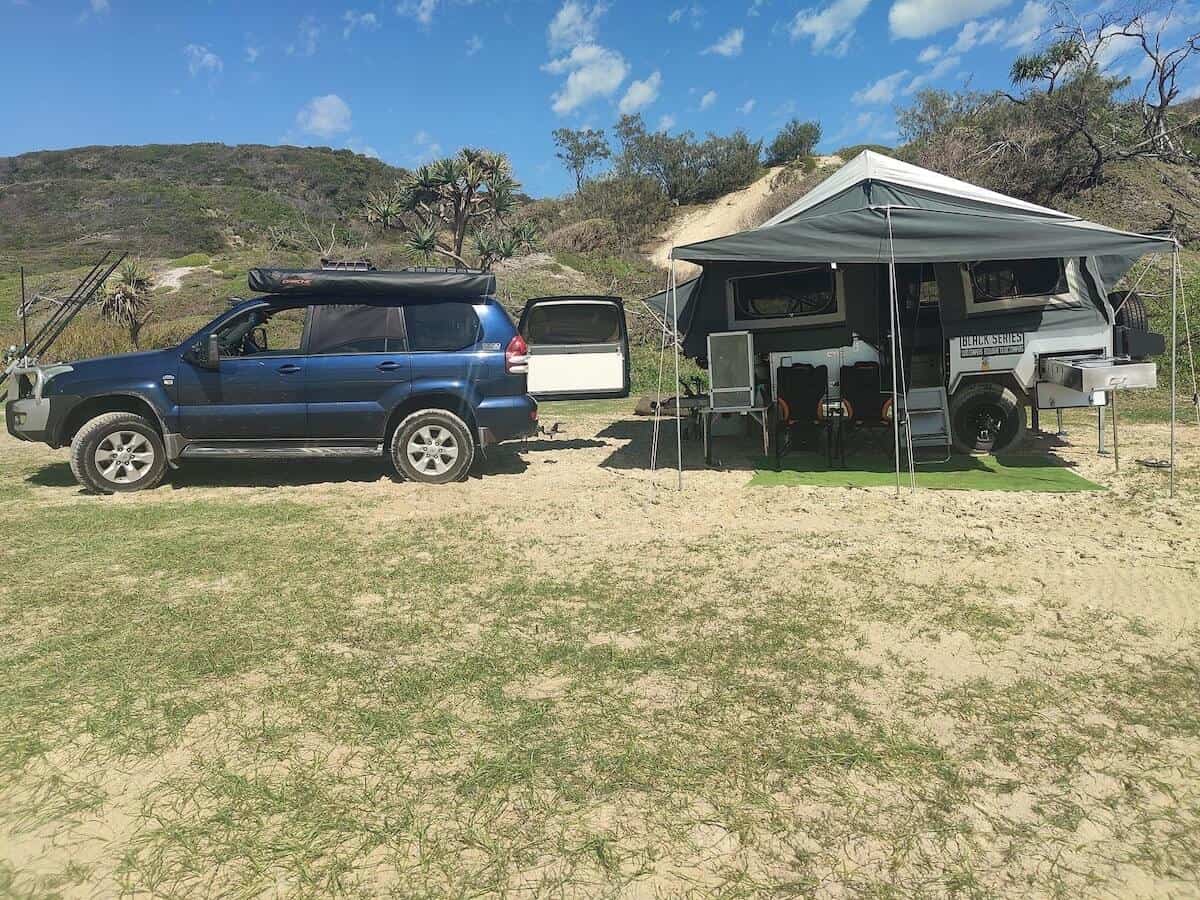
point(871, 166)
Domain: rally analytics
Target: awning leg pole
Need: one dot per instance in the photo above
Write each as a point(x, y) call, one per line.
point(1116, 437)
point(1176, 277)
point(1100, 431)
point(1062, 432)
point(895, 377)
point(678, 399)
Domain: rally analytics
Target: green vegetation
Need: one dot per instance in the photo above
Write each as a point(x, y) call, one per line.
point(795, 140)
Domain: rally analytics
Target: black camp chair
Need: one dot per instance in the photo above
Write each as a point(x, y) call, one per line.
point(864, 402)
point(801, 393)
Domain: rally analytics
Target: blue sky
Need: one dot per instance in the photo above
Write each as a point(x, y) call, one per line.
point(407, 80)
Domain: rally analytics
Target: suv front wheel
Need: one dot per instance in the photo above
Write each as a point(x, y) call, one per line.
point(118, 452)
point(433, 446)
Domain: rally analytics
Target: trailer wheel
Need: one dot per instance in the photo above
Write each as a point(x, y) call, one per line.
point(118, 452)
point(986, 418)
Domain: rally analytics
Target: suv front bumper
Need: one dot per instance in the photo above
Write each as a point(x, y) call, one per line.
point(28, 419)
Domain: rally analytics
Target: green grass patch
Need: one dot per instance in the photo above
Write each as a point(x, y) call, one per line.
point(961, 473)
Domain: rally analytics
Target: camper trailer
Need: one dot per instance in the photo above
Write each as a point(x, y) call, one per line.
point(981, 309)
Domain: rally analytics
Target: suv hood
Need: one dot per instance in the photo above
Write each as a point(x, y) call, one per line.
point(153, 363)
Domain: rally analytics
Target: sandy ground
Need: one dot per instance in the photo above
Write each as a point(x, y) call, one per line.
point(724, 216)
point(587, 496)
point(173, 278)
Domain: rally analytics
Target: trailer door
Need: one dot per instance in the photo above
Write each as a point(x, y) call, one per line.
point(578, 347)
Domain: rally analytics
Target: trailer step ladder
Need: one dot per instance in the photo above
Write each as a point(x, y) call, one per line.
point(927, 415)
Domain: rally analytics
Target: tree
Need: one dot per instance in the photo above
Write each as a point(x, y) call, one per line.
point(795, 141)
point(441, 204)
point(581, 149)
point(125, 299)
point(687, 170)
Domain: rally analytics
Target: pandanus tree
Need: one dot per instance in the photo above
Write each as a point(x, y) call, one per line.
point(125, 299)
point(439, 205)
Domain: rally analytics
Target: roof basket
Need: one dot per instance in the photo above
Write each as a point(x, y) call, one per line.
point(444, 270)
point(347, 265)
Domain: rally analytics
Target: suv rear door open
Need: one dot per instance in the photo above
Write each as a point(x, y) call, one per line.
point(578, 347)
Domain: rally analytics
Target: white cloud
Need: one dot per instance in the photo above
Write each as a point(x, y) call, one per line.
point(1020, 32)
point(944, 66)
point(427, 148)
point(252, 54)
point(421, 10)
point(708, 100)
point(729, 45)
point(748, 107)
point(324, 116)
point(755, 6)
point(830, 28)
point(99, 7)
point(367, 21)
point(592, 71)
point(666, 123)
point(640, 94)
point(882, 91)
point(920, 18)
point(929, 54)
point(474, 44)
point(200, 60)
point(361, 147)
point(575, 23)
point(694, 13)
point(307, 35)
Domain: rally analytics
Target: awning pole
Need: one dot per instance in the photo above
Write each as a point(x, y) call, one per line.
point(1175, 279)
point(678, 398)
point(895, 377)
point(662, 356)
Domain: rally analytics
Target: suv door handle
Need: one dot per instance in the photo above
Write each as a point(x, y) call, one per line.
point(288, 369)
point(388, 366)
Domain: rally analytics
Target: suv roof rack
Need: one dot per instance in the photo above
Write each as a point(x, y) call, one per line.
point(443, 270)
point(347, 265)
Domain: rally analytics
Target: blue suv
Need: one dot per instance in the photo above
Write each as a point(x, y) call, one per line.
point(423, 366)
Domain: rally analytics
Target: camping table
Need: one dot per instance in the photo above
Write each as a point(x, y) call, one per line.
point(758, 413)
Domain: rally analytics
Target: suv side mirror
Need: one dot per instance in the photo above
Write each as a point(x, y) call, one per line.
point(206, 353)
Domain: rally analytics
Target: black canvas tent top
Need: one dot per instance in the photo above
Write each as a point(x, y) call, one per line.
point(338, 283)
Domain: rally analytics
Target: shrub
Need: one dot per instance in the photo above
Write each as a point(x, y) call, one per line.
point(192, 259)
point(172, 332)
point(848, 153)
point(87, 338)
point(588, 235)
point(633, 202)
point(795, 141)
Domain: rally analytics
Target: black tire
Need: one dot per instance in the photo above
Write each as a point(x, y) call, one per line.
point(422, 444)
point(134, 447)
point(1130, 310)
point(986, 418)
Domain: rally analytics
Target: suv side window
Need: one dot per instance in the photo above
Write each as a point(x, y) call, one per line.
point(441, 326)
point(346, 328)
point(263, 332)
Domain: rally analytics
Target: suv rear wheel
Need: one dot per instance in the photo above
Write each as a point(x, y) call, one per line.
point(118, 452)
point(433, 446)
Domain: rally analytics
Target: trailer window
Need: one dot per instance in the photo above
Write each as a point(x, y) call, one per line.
point(1007, 279)
point(805, 296)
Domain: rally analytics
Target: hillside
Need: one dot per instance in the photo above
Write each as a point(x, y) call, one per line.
point(59, 209)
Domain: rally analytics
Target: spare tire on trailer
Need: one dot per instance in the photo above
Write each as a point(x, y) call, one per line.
point(986, 417)
point(1130, 310)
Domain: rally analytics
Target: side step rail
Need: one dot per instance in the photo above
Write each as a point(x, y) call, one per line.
point(249, 451)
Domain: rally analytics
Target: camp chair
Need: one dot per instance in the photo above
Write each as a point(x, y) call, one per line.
point(800, 396)
point(864, 402)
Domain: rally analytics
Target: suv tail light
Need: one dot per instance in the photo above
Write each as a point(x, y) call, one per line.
point(516, 357)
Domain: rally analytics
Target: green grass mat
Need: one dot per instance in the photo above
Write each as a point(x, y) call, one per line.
point(961, 473)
